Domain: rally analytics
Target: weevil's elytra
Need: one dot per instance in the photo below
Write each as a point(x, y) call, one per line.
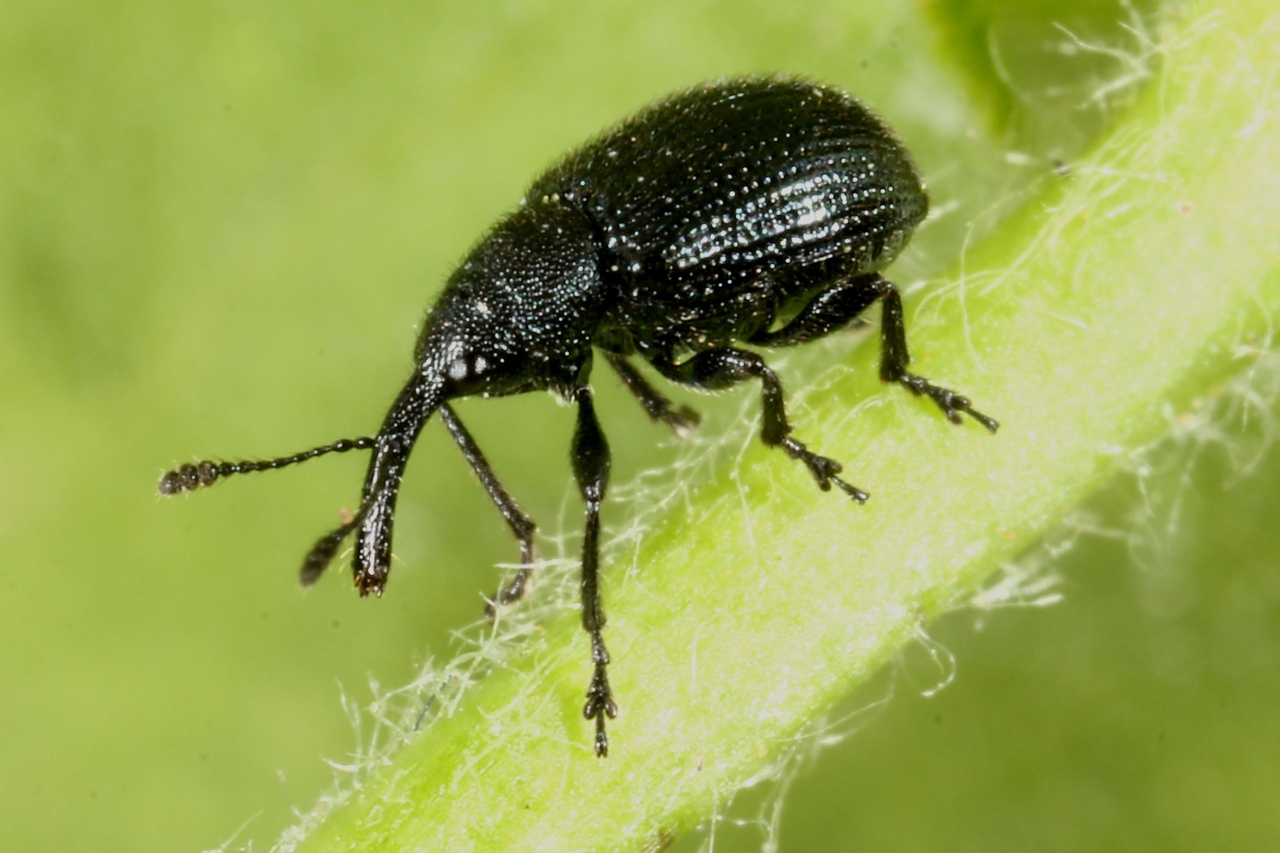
point(756, 210)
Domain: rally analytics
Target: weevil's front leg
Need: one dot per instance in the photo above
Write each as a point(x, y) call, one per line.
point(521, 525)
point(712, 370)
point(590, 456)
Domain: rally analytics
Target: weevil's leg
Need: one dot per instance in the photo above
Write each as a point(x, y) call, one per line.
point(658, 407)
point(894, 359)
point(712, 370)
point(590, 456)
point(833, 308)
point(521, 525)
point(839, 305)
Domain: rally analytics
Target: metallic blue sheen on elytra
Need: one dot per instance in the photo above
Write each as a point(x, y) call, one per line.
point(756, 210)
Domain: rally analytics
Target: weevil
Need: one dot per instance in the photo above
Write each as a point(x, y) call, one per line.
point(748, 210)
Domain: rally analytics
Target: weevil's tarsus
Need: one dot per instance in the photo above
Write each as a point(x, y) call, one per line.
point(894, 359)
point(839, 305)
point(713, 370)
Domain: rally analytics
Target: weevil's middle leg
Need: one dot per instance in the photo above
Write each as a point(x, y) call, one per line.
point(521, 525)
point(715, 369)
point(655, 404)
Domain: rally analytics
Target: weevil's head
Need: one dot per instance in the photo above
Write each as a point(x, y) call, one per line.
point(473, 346)
point(519, 313)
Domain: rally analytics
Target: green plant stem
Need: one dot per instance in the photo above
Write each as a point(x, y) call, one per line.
point(1117, 297)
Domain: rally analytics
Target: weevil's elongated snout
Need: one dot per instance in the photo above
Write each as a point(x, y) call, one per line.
point(376, 516)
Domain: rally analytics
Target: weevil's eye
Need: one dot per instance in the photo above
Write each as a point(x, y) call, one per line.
point(467, 374)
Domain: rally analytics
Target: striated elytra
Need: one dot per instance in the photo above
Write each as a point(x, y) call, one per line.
point(756, 210)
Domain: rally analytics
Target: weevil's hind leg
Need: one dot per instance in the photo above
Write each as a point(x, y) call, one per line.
point(838, 306)
point(894, 359)
point(712, 370)
point(657, 406)
point(590, 456)
point(521, 525)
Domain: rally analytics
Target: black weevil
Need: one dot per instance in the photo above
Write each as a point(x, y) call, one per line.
point(755, 209)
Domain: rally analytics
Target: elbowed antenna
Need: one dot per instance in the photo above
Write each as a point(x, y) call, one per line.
point(189, 477)
point(376, 513)
point(206, 472)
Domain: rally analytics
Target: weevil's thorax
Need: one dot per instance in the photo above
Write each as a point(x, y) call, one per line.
point(518, 314)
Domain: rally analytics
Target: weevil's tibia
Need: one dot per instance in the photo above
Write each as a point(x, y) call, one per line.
point(521, 525)
point(590, 457)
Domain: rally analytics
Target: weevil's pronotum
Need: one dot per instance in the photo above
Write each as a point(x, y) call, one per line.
point(756, 210)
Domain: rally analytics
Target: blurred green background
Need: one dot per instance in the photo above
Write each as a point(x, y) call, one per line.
point(221, 223)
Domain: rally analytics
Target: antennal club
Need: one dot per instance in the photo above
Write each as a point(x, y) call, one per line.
point(189, 477)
